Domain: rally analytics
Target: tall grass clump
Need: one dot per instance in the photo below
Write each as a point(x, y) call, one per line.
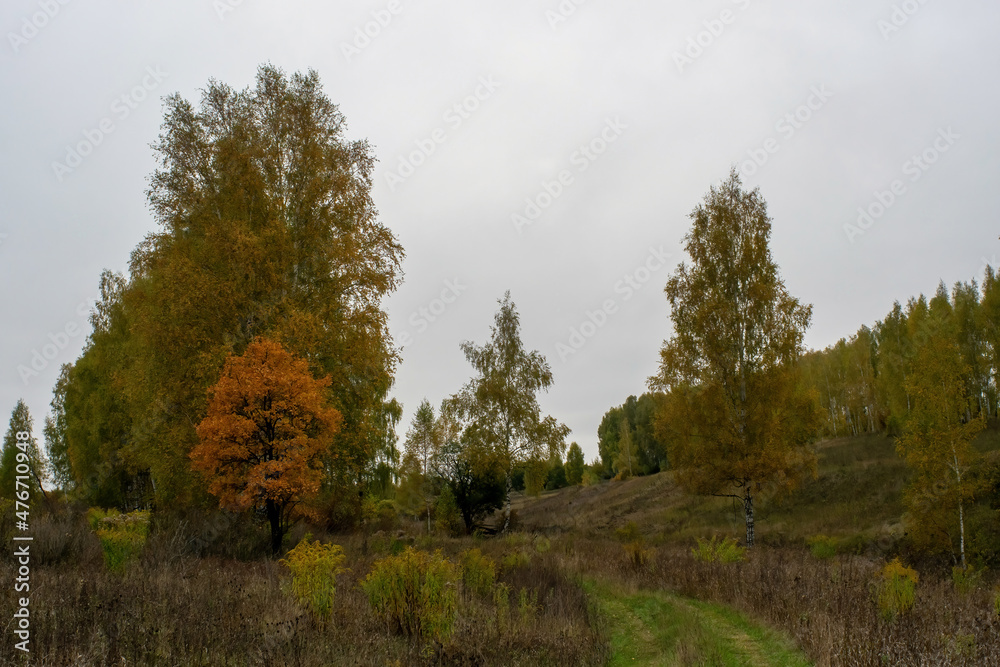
point(314, 568)
point(479, 573)
point(895, 590)
point(415, 592)
point(122, 536)
point(724, 550)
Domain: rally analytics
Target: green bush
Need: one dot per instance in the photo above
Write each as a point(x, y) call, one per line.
point(715, 550)
point(895, 590)
point(479, 572)
point(122, 536)
point(822, 546)
point(415, 592)
point(314, 569)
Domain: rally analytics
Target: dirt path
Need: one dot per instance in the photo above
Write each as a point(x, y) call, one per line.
point(660, 628)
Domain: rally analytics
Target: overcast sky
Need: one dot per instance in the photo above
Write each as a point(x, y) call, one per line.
point(552, 149)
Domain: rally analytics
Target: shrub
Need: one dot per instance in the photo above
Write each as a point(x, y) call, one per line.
point(629, 532)
point(314, 569)
point(447, 518)
point(895, 590)
point(542, 544)
point(479, 572)
point(122, 536)
point(637, 555)
point(415, 592)
point(724, 550)
point(516, 559)
point(822, 547)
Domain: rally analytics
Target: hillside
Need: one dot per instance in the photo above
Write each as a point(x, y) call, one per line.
point(856, 497)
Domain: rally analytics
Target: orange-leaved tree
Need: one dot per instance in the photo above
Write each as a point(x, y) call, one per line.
point(262, 442)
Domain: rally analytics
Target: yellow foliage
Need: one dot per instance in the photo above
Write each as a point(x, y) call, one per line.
point(314, 569)
point(895, 590)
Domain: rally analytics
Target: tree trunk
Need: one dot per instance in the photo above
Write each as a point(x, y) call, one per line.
point(961, 526)
point(509, 484)
point(274, 518)
point(748, 511)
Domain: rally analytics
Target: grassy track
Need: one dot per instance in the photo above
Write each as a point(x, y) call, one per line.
point(659, 628)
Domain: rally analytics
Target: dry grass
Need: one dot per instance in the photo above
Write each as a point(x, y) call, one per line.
point(176, 608)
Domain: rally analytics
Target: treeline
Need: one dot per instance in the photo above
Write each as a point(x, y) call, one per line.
point(266, 230)
point(862, 382)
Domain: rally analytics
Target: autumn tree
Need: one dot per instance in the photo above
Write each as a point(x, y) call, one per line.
point(267, 429)
point(266, 227)
point(937, 446)
point(737, 417)
point(575, 464)
point(500, 405)
point(32, 476)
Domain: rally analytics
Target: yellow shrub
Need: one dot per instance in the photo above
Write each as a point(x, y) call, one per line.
point(895, 590)
point(415, 592)
point(314, 569)
point(637, 555)
point(724, 550)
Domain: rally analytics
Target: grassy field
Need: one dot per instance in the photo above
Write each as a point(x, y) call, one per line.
point(593, 576)
point(655, 627)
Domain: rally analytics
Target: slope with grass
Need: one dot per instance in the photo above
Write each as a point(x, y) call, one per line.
point(856, 499)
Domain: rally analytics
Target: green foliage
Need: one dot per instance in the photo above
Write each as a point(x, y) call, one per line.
point(895, 589)
point(516, 559)
point(575, 465)
point(122, 536)
point(479, 573)
point(542, 544)
point(822, 546)
point(500, 404)
point(446, 515)
point(21, 452)
point(650, 452)
point(314, 568)
point(966, 579)
point(415, 593)
point(556, 478)
point(716, 550)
